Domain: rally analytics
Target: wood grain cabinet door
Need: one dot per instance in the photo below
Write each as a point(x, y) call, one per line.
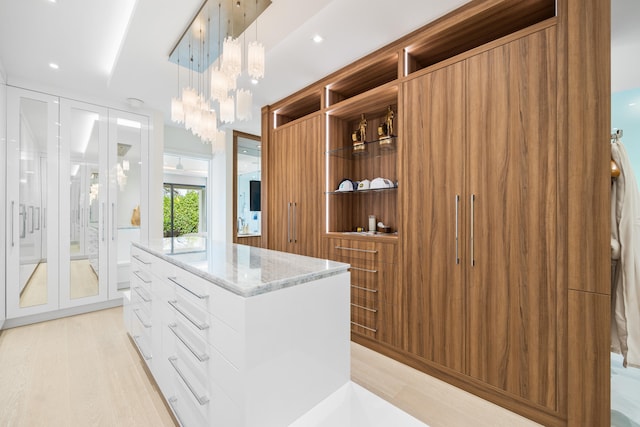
point(296, 191)
point(432, 214)
point(512, 287)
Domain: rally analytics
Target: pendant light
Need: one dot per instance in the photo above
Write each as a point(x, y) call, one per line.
point(243, 104)
point(255, 55)
point(227, 110)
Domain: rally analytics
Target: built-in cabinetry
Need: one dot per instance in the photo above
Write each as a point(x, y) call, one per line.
point(76, 171)
point(481, 274)
point(489, 234)
point(296, 207)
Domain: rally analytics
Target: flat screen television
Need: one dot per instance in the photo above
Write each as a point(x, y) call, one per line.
point(254, 196)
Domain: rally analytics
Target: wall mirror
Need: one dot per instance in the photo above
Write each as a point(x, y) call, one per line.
point(247, 165)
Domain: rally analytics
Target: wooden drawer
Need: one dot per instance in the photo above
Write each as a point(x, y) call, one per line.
point(342, 249)
point(364, 297)
point(364, 320)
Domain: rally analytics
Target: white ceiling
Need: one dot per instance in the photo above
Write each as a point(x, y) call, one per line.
point(82, 37)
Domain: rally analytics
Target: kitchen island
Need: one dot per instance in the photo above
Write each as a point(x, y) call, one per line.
point(237, 335)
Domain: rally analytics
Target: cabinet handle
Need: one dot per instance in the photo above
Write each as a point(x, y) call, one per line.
point(13, 241)
point(103, 220)
point(368, 251)
point(364, 308)
point(473, 199)
point(457, 206)
point(174, 280)
point(144, 297)
point(295, 222)
point(364, 289)
point(289, 222)
point(113, 222)
point(173, 401)
point(136, 339)
point(139, 258)
point(201, 357)
point(363, 269)
point(144, 323)
point(364, 327)
point(202, 400)
point(201, 326)
point(137, 273)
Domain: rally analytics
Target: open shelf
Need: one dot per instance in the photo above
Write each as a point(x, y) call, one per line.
point(362, 77)
point(375, 190)
point(379, 147)
point(439, 42)
point(371, 103)
point(298, 108)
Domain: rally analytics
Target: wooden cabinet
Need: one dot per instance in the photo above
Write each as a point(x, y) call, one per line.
point(376, 295)
point(481, 270)
point(295, 188)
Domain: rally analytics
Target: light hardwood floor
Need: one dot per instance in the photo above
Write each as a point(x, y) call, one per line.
point(83, 371)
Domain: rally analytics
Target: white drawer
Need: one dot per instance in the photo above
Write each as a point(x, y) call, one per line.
point(209, 329)
point(142, 260)
point(225, 305)
point(142, 337)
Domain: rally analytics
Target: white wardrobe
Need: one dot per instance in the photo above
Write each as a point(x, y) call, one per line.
point(76, 172)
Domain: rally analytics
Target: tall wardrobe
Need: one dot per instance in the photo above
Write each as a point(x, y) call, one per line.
point(495, 275)
point(75, 173)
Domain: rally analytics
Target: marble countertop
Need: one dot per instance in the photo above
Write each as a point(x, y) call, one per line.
point(247, 270)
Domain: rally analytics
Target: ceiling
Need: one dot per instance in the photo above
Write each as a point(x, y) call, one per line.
point(110, 51)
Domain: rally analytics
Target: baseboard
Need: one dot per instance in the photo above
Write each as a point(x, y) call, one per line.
point(58, 314)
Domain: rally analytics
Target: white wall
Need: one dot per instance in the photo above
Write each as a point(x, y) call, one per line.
point(156, 151)
point(3, 198)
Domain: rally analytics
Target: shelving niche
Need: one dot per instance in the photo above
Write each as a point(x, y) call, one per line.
point(349, 210)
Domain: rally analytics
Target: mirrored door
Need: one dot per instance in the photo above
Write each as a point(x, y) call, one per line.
point(32, 202)
point(83, 203)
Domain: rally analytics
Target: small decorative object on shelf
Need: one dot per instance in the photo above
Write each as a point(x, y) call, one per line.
point(385, 130)
point(359, 137)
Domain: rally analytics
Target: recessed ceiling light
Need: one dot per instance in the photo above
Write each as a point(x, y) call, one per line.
point(53, 65)
point(632, 104)
point(53, 1)
point(254, 81)
point(317, 38)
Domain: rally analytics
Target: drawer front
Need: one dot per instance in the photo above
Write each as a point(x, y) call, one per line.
point(364, 297)
point(142, 335)
point(364, 321)
point(361, 249)
point(208, 297)
point(142, 260)
point(208, 328)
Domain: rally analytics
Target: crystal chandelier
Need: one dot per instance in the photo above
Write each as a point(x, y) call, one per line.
point(212, 97)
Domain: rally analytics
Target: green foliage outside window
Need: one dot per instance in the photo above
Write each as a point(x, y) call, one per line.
point(186, 213)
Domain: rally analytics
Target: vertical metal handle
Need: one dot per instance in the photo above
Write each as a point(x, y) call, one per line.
point(113, 221)
point(13, 241)
point(103, 220)
point(295, 222)
point(473, 199)
point(44, 217)
point(457, 206)
point(289, 222)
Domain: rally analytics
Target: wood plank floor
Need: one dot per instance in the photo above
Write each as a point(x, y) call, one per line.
point(83, 371)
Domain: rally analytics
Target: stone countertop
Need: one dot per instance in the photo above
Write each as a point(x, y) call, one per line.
point(248, 271)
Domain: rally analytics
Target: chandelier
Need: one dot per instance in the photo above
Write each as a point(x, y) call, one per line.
point(211, 98)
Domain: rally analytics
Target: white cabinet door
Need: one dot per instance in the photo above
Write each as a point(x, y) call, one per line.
point(127, 210)
point(32, 202)
point(83, 203)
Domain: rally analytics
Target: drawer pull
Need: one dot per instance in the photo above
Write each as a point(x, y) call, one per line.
point(368, 251)
point(364, 308)
point(175, 280)
point(363, 269)
point(173, 401)
point(139, 258)
point(201, 357)
point(364, 289)
point(136, 339)
point(136, 311)
point(137, 273)
point(201, 326)
point(202, 400)
point(142, 294)
point(364, 327)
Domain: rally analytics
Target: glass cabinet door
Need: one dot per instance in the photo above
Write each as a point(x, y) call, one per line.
point(128, 193)
point(32, 202)
point(83, 203)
